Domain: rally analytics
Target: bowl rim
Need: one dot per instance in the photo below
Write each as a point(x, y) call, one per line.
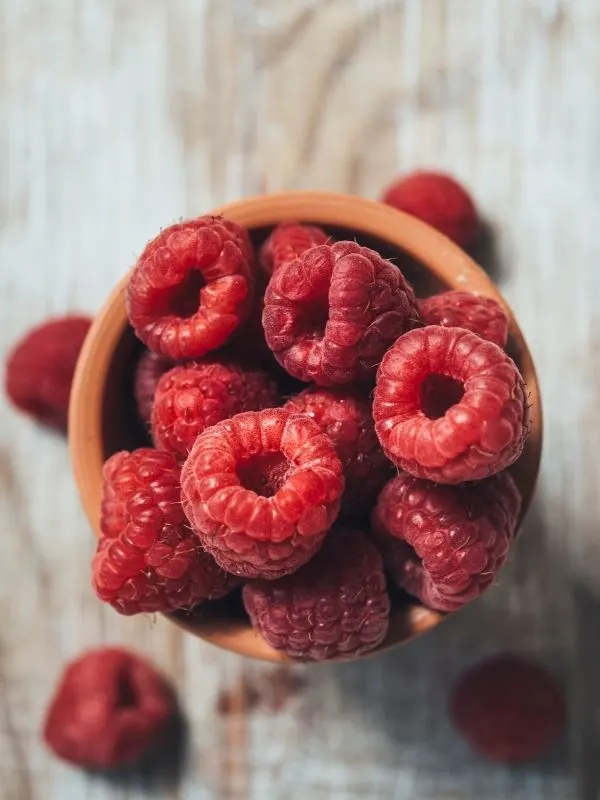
point(436, 253)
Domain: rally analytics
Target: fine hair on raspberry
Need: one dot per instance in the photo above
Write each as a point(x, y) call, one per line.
point(288, 241)
point(449, 406)
point(192, 287)
point(261, 490)
point(336, 606)
point(192, 397)
point(445, 544)
point(481, 315)
point(344, 414)
point(147, 558)
point(331, 314)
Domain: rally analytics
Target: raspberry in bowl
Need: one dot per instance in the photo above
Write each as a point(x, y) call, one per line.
point(267, 512)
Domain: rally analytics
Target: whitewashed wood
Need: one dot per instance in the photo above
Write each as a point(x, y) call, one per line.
point(118, 116)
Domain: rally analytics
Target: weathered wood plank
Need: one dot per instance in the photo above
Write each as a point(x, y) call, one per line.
point(117, 116)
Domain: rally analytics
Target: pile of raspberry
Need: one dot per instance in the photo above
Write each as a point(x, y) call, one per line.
point(383, 472)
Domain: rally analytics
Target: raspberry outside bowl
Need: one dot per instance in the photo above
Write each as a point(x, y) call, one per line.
point(102, 414)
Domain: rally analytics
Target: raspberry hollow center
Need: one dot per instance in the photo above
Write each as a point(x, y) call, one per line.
point(438, 393)
point(263, 474)
point(315, 317)
point(184, 299)
point(126, 692)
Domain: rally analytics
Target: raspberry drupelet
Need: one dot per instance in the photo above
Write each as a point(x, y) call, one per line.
point(261, 490)
point(336, 606)
point(288, 241)
point(40, 368)
point(110, 709)
point(480, 315)
point(445, 544)
point(345, 416)
point(438, 200)
point(194, 396)
point(449, 406)
point(331, 314)
point(192, 287)
point(148, 372)
point(508, 709)
point(147, 558)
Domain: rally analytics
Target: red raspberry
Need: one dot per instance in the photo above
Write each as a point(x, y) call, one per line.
point(480, 315)
point(110, 709)
point(336, 606)
point(289, 240)
point(194, 396)
point(438, 200)
point(40, 367)
point(148, 559)
point(445, 544)
point(449, 406)
point(148, 372)
point(261, 490)
point(191, 287)
point(345, 416)
point(509, 709)
point(331, 314)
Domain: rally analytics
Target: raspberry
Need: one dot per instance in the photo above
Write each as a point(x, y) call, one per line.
point(438, 200)
point(508, 709)
point(194, 396)
point(191, 287)
point(148, 559)
point(449, 406)
point(40, 367)
point(148, 371)
point(331, 314)
point(345, 416)
point(480, 315)
point(289, 240)
point(110, 709)
point(261, 490)
point(445, 544)
point(336, 606)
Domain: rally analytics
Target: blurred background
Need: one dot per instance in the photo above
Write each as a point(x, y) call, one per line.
point(118, 117)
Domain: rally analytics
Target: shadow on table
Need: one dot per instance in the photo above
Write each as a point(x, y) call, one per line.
point(485, 252)
point(163, 769)
point(406, 691)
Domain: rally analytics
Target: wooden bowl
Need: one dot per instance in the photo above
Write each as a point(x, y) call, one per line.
point(102, 416)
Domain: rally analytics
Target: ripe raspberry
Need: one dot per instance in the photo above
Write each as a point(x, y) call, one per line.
point(445, 544)
point(261, 490)
point(194, 396)
point(40, 367)
point(331, 314)
point(449, 406)
point(191, 287)
point(438, 200)
point(148, 372)
point(148, 559)
point(508, 709)
point(345, 416)
point(480, 315)
point(110, 709)
point(289, 240)
point(336, 606)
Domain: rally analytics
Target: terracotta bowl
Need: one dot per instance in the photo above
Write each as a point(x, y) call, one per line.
point(102, 417)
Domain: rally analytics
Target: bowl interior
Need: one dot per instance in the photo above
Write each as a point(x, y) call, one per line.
point(224, 622)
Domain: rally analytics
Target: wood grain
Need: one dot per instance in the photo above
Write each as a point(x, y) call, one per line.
point(118, 116)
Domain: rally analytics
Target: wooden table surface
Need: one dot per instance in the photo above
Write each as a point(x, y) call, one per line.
point(120, 116)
